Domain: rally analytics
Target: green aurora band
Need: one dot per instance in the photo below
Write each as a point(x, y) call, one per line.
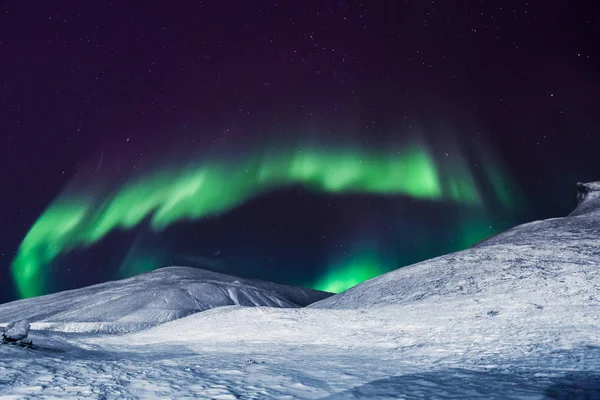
point(194, 191)
point(366, 262)
point(362, 265)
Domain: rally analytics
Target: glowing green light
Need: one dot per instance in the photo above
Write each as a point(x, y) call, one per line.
point(195, 191)
point(472, 232)
point(501, 185)
point(358, 268)
point(136, 266)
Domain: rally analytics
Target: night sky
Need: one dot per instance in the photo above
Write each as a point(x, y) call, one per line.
point(317, 143)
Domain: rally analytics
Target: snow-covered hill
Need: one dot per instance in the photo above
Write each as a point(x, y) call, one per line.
point(515, 317)
point(149, 299)
point(556, 261)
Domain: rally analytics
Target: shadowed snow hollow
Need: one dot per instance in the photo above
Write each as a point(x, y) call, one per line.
point(149, 299)
point(543, 262)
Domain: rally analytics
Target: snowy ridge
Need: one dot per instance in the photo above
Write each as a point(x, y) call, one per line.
point(543, 262)
point(514, 317)
point(149, 299)
point(588, 198)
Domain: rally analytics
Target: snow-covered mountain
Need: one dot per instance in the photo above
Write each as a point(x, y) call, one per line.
point(543, 262)
point(148, 299)
point(514, 317)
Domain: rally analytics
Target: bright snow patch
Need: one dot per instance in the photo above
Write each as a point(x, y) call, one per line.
point(17, 330)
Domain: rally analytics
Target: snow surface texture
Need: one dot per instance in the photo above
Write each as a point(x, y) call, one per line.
point(515, 317)
point(149, 299)
point(17, 330)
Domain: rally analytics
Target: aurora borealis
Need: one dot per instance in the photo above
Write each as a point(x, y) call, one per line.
point(194, 191)
point(313, 143)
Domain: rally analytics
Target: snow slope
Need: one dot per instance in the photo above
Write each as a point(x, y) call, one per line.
point(556, 261)
point(148, 299)
point(515, 317)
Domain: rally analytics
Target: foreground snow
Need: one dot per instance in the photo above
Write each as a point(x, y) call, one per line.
point(450, 351)
point(516, 317)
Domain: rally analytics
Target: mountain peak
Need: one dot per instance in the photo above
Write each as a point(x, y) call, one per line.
point(588, 198)
point(585, 190)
